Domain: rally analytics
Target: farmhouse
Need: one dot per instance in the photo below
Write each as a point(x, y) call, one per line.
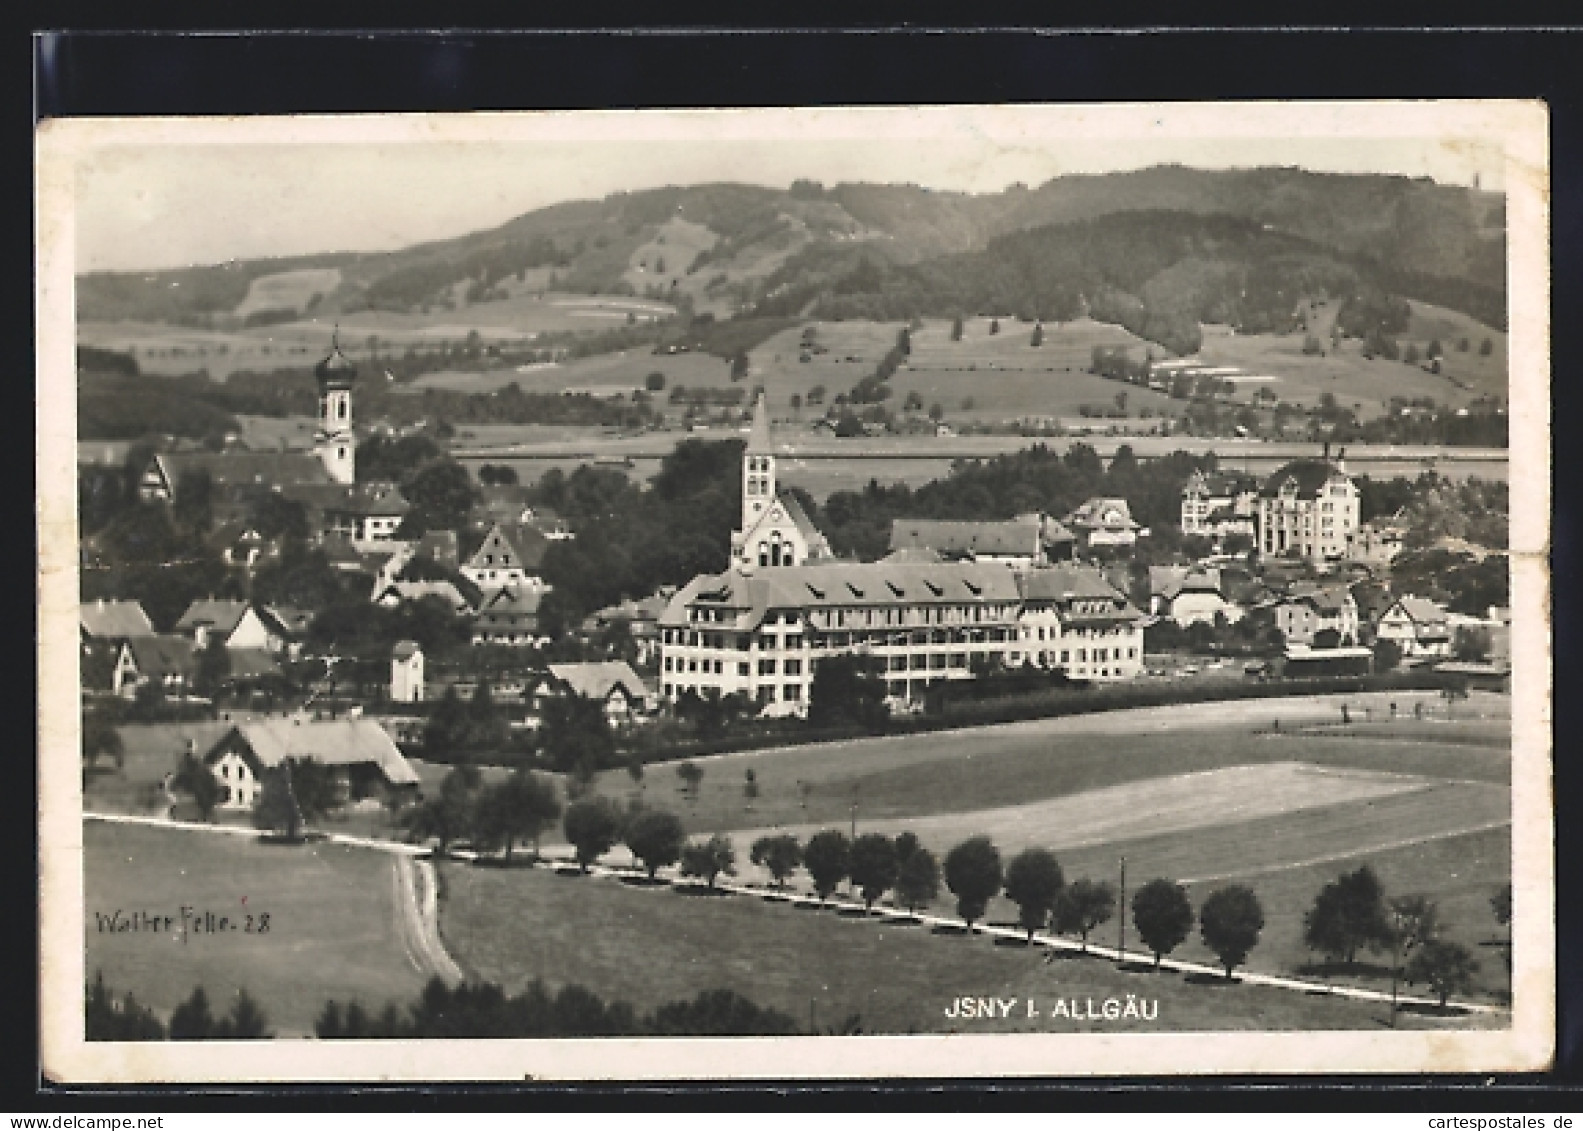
point(612, 682)
point(510, 616)
point(367, 515)
point(362, 759)
point(1308, 509)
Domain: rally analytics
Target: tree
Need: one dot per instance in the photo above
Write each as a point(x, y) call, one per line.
point(904, 341)
point(441, 495)
point(105, 1019)
point(1471, 645)
point(99, 736)
point(1230, 921)
point(1038, 335)
point(213, 666)
point(873, 866)
point(193, 507)
point(827, 856)
point(847, 691)
point(692, 775)
point(918, 877)
point(1034, 882)
point(575, 733)
point(450, 815)
point(654, 382)
point(312, 786)
point(1433, 349)
point(994, 325)
point(780, 855)
point(592, 826)
point(750, 784)
point(956, 328)
point(1163, 915)
point(1501, 906)
point(191, 1020)
point(245, 1022)
point(937, 412)
point(1486, 347)
point(1387, 655)
point(198, 782)
point(519, 808)
point(1445, 967)
point(707, 859)
point(1410, 354)
point(1084, 905)
point(656, 838)
point(276, 809)
point(972, 872)
point(740, 365)
point(1347, 914)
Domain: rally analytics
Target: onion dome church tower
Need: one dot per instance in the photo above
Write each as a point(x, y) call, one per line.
point(333, 441)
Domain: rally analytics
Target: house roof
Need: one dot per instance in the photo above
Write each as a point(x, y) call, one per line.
point(1103, 513)
point(1014, 536)
point(405, 649)
point(373, 500)
point(818, 545)
point(1422, 610)
point(334, 742)
point(115, 619)
point(598, 680)
point(250, 663)
point(232, 468)
point(417, 590)
point(526, 542)
point(159, 656)
point(222, 616)
point(1063, 583)
point(292, 621)
point(1322, 600)
point(843, 585)
point(913, 555)
point(1171, 581)
point(1309, 474)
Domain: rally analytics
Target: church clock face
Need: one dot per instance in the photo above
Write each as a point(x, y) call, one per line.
point(776, 514)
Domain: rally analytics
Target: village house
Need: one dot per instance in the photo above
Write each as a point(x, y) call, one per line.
point(1189, 595)
point(611, 682)
point(1306, 612)
point(235, 624)
point(1108, 523)
point(362, 759)
point(406, 673)
point(111, 623)
point(400, 592)
point(510, 556)
point(366, 514)
point(165, 661)
point(510, 616)
point(1418, 626)
point(1217, 505)
point(1308, 509)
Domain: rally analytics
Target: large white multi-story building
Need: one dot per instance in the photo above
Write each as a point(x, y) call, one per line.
point(1308, 509)
point(784, 603)
point(1214, 506)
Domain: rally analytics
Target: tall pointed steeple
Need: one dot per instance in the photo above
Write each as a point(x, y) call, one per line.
point(759, 435)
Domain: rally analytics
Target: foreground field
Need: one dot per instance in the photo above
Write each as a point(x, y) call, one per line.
point(654, 945)
point(335, 924)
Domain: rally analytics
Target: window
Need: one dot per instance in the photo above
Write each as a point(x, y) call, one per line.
point(791, 693)
point(692, 665)
point(668, 663)
point(225, 770)
point(718, 668)
point(766, 667)
point(767, 694)
point(793, 667)
point(792, 643)
point(743, 669)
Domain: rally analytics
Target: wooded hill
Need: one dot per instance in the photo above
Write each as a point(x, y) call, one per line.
point(1444, 244)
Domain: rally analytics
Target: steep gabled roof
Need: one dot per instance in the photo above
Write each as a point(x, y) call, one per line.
point(250, 663)
point(1064, 583)
point(1423, 610)
point(222, 616)
point(1013, 536)
point(374, 500)
point(333, 742)
point(235, 467)
point(114, 620)
point(598, 680)
point(159, 656)
point(1103, 513)
point(523, 542)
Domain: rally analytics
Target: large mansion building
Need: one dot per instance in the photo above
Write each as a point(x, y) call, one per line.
point(784, 603)
point(1308, 509)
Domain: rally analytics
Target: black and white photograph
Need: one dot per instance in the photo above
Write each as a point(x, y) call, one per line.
point(891, 591)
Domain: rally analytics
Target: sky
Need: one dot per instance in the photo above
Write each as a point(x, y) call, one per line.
point(146, 201)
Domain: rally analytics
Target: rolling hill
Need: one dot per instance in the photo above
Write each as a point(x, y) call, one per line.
point(725, 247)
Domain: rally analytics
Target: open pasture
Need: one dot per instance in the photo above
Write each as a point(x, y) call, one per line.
point(617, 372)
point(334, 922)
point(288, 290)
point(649, 946)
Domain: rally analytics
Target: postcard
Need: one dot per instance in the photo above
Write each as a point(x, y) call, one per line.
point(806, 593)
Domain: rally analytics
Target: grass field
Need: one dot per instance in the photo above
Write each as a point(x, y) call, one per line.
point(332, 929)
point(653, 945)
point(288, 290)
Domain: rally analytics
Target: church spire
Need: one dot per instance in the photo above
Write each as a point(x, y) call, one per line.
point(759, 435)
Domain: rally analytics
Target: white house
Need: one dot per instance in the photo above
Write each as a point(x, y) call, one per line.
point(360, 755)
point(1189, 594)
point(1418, 626)
point(1302, 615)
point(1105, 522)
point(1308, 509)
point(509, 557)
point(611, 682)
point(236, 624)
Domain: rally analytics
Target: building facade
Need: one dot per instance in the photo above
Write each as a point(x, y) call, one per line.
point(406, 673)
point(1214, 506)
point(1308, 509)
point(775, 531)
point(333, 441)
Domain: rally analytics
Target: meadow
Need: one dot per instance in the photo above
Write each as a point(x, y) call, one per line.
point(334, 921)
